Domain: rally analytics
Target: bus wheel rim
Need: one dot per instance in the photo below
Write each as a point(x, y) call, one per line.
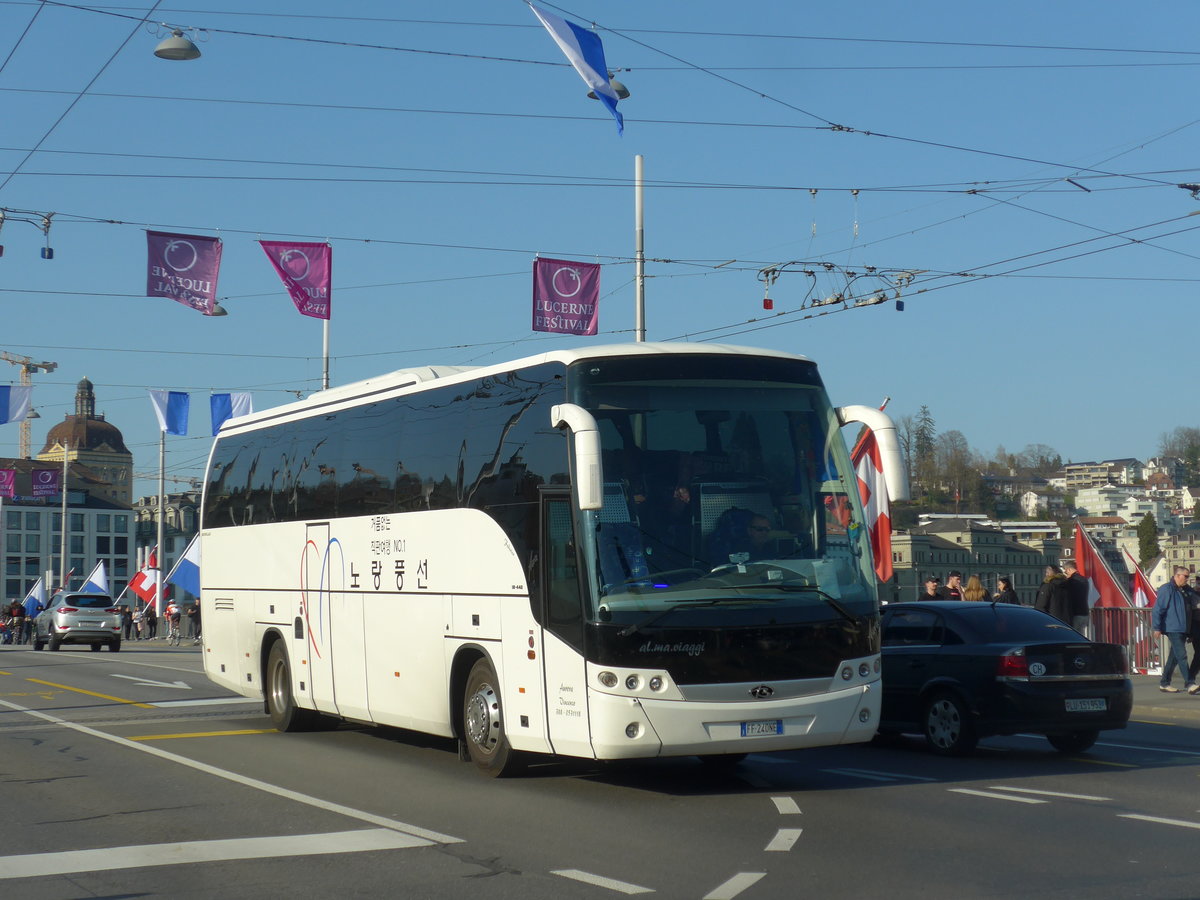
point(483, 718)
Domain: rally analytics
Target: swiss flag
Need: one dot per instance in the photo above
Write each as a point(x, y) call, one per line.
point(1104, 589)
point(1143, 593)
point(145, 582)
point(869, 468)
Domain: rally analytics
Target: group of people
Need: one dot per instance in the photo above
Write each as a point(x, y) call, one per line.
point(973, 591)
point(143, 624)
point(1063, 594)
point(16, 626)
point(1177, 616)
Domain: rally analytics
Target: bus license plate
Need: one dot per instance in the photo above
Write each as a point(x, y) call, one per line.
point(765, 726)
point(1091, 705)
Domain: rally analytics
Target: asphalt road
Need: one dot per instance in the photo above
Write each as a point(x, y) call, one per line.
point(130, 775)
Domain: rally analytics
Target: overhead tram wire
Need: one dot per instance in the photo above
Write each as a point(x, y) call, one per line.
point(79, 96)
point(625, 34)
point(28, 26)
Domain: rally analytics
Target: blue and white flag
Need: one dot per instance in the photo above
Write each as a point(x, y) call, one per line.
point(35, 600)
point(229, 406)
point(585, 52)
point(97, 582)
point(171, 407)
point(186, 573)
point(14, 403)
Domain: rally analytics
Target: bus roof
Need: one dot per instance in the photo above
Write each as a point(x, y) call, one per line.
point(403, 378)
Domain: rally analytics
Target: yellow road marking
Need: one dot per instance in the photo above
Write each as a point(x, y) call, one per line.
point(200, 734)
point(1103, 762)
point(1150, 722)
point(91, 693)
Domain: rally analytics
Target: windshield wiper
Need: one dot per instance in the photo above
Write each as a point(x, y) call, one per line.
point(663, 613)
point(831, 601)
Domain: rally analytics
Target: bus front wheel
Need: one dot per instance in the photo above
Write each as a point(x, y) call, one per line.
point(483, 723)
point(286, 715)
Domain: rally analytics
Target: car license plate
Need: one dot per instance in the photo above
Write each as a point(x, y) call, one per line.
point(1090, 705)
point(765, 726)
point(90, 622)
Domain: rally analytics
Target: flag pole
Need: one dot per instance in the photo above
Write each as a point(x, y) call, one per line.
point(639, 229)
point(325, 354)
point(162, 502)
point(62, 567)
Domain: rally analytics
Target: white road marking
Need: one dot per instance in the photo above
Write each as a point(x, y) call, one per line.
point(786, 806)
point(211, 701)
point(784, 839)
point(1178, 822)
point(1007, 797)
point(623, 887)
point(734, 886)
point(1002, 787)
point(37, 865)
point(869, 776)
point(244, 780)
point(149, 682)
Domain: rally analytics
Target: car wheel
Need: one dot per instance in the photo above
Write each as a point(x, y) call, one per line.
point(948, 726)
point(284, 712)
point(483, 723)
point(38, 643)
point(1073, 741)
point(55, 644)
point(114, 645)
point(96, 645)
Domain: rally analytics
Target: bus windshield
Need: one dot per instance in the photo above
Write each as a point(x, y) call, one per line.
point(729, 498)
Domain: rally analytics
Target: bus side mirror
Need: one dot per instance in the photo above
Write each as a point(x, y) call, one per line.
point(588, 476)
point(895, 476)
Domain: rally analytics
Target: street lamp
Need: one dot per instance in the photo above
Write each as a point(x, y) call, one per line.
point(177, 47)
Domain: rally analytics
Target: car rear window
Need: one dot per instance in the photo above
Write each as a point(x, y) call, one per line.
point(996, 623)
point(98, 601)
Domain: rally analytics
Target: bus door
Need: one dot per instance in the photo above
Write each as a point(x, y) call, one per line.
point(562, 627)
point(312, 645)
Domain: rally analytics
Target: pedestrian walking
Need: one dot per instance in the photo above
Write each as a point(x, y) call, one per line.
point(1170, 618)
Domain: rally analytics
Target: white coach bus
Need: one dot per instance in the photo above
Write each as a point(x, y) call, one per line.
point(616, 552)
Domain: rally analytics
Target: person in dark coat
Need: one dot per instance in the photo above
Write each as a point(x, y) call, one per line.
point(932, 586)
point(1077, 593)
point(952, 589)
point(1052, 596)
point(1005, 592)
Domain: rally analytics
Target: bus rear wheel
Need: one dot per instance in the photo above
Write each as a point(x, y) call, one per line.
point(483, 723)
point(282, 707)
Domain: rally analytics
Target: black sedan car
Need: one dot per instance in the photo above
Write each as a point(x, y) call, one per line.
point(957, 671)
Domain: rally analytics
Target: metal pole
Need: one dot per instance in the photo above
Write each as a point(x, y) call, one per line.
point(162, 502)
point(640, 249)
point(66, 523)
point(325, 355)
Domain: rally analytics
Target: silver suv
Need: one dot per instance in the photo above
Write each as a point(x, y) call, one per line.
point(74, 618)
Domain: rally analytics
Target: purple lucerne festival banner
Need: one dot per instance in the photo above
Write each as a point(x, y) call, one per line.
point(45, 482)
point(566, 296)
point(183, 268)
point(8, 482)
point(306, 270)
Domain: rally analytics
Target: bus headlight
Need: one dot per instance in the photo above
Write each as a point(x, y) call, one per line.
point(633, 729)
point(633, 682)
point(864, 715)
point(847, 673)
point(878, 663)
point(656, 683)
point(608, 679)
point(864, 669)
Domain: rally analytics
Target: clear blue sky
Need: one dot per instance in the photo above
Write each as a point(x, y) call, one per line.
point(440, 147)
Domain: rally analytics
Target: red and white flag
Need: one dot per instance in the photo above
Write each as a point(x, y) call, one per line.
point(1104, 590)
point(145, 582)
point(1143, 593)
point(868, 466)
